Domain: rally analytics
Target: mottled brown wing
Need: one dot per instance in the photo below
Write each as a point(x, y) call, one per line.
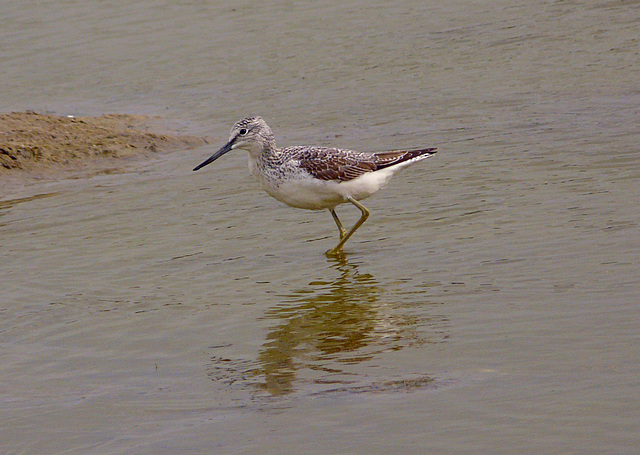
point(336, 164)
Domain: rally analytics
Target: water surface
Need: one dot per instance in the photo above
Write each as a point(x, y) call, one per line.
point(488, 305)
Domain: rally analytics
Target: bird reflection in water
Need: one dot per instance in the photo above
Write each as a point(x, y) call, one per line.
point(326, 327)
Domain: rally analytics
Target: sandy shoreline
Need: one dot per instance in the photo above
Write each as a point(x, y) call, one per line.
point(41, 147)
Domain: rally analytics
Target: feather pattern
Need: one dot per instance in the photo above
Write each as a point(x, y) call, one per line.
point(343, 165)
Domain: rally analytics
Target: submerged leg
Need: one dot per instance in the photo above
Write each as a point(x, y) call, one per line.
point(343, 231)
point(365, 214)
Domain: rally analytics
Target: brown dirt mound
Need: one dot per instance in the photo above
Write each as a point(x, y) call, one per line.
point(35, 141)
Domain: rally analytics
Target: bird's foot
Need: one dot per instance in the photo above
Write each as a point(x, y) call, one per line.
point(334, 252)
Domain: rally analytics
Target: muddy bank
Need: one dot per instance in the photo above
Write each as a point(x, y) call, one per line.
point(37, 148)
point(31, 141)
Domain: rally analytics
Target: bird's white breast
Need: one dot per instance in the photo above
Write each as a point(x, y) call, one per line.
point(301, 190)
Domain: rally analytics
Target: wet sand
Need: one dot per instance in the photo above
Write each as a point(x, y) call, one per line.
point(42, 147)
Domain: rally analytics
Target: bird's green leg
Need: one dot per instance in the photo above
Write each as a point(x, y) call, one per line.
point(365, 214)
point(343, 231)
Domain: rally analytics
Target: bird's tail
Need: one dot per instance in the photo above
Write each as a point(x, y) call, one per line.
point(405, 157)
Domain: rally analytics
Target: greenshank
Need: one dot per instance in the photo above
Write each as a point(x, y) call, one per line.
point(315, 178)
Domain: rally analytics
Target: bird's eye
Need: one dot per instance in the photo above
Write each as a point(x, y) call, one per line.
point(242, 131)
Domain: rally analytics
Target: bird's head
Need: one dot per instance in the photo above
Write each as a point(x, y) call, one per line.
point(251, 134)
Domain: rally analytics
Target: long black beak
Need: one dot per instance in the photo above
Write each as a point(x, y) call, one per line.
point(218, 154)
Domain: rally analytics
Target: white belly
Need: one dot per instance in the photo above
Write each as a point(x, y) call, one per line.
point(314, 194)
point(301, 190)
